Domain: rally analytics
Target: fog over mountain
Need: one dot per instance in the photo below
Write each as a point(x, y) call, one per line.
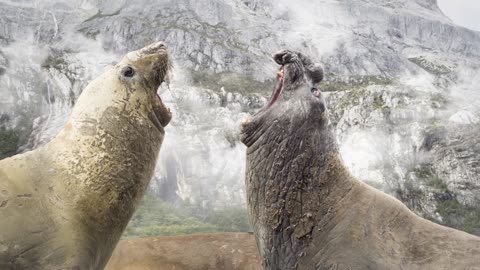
point(401, 81)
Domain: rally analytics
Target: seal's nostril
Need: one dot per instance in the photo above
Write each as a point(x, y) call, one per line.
point(154, 48)
point(285, 56)
point(158, 46)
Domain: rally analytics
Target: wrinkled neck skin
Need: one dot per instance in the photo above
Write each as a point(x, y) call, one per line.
point(106, 155)
point(291, 186)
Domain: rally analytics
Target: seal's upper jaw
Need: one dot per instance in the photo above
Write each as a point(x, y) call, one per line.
point(154, 48)
point(153, 61)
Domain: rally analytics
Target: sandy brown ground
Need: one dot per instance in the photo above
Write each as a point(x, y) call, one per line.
point(223, 251)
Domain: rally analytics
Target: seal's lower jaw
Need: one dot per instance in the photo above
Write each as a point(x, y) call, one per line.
point(249, 125)
point(160, 115)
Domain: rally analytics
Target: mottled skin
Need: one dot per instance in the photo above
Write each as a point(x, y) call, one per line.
point(222, 251)
point(309, 212)
point(66, 204)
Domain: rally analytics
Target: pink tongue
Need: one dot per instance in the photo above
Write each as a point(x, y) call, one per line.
point(278, 91)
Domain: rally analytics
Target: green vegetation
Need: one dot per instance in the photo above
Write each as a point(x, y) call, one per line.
point(425, 173)
point(55, 61)
point(156, 217)
point(429, 66)
point(232, 82)
point(452, 212)
point(438, 183)
point(333, 84)
point(8, 142)
point(378, 102)
point(457, 215)
point(350, 99)
point(412, 190)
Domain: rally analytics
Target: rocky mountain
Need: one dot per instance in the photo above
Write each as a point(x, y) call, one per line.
point(402, 83)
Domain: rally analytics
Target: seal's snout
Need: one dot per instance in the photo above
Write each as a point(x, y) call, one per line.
point(153, 64)
point(284, 57)
point(160, 65)
point(154, 48)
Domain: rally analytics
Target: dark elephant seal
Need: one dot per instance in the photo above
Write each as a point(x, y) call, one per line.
point(65, 205)
point(309, 212)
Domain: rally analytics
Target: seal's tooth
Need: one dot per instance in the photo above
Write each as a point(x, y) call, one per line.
point(246, 119)
point(280, 74)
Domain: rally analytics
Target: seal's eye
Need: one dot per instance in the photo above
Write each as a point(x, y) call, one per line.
point(315, 92)
point(128, 72)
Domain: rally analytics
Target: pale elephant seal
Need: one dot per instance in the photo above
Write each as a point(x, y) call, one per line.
point(308, 211)
point(222, 251)
point(65, 205)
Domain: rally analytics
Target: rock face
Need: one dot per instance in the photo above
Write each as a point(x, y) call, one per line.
point(402, 82)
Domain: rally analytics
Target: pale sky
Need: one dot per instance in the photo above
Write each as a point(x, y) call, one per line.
point(463, 12)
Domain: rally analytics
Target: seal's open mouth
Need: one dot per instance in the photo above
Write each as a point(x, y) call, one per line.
point(249, 125)
point(155, 57)
point(277, 92)
point(278, 89)
point(160, 115)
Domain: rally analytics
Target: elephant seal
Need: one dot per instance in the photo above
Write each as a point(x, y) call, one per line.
point(220, 251)
point(309, 212)
point(66, 204)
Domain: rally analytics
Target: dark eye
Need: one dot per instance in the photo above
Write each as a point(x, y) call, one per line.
point(315, 92)
point(128, 72)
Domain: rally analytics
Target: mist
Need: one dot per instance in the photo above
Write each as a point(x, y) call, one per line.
point(397, 95)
